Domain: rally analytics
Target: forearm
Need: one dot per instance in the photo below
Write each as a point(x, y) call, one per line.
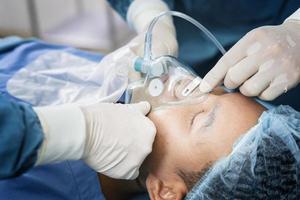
point(21, 136)
point(64, 133)
point(35, 136)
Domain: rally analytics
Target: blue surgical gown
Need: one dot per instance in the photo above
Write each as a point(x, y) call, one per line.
point(21, 136)
point(229, 21)
point(20, 130)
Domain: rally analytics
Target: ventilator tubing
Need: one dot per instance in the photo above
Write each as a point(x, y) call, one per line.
point(167, 82)
point(141, 65)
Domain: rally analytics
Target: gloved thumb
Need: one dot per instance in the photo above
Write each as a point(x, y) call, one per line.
point(214, 76)
point(144, 107)
point(205, 86)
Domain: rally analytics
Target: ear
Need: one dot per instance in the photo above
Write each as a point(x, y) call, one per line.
point(165, 189)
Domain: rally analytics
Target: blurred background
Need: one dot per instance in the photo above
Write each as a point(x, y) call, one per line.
point(85, 24)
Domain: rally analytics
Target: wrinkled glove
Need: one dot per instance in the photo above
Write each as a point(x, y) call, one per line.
point(163, 43)
point(122, 60)
point(139, 15)
point(264, 63)
point(113, 139)
point(119, 137)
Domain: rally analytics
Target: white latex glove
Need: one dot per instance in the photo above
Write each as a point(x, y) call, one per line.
point(163, 43)
point(119, 137)
point(139, 15)
point(123, 58)
point(264, 63)
point(113, 139)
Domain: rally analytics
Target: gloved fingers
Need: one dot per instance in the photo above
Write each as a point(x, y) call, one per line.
point(137, 45)
point(218, 72)
point(144, 107)
point(240, 72)
point(272, 92)
point(159, 49)
point(256, 84)
point(164, 47)
point(119, 137)
point(213, 77)
point(165, 41)
point(281, 84)
point(160, 45)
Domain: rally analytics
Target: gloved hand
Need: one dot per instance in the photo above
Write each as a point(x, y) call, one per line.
point(163, 42)
point(139, 15)
point(119, 137)
point(113, 139)
point(123, 58)
point(264, 63)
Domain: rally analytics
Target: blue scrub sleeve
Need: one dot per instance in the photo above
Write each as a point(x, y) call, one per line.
point(121, 6)
point(20, 137)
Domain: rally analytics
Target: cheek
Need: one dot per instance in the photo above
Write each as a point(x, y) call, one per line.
point(228, 127)
point(169, 147)
point(180, 150)
point(177, 146)
point(223, 133)
point(197, 155)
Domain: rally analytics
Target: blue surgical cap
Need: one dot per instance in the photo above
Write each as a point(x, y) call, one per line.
point(264, 163)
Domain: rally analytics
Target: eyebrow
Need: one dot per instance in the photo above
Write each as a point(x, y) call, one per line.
point(211, 116)
point(210, 119)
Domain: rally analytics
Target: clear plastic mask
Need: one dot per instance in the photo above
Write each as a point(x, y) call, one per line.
point(167, 83)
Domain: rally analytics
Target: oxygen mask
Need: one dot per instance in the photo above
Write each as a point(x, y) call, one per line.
point(166, 81)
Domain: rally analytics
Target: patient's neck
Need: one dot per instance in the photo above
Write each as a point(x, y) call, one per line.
point(114, 189)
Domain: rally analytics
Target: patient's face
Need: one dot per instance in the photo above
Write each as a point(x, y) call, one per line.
point(192, 137)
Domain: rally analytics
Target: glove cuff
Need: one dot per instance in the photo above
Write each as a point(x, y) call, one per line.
point(64, 133)
point(141, 12)
point(295, 17)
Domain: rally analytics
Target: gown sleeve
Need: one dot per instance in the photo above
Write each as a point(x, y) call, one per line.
point(20, 137)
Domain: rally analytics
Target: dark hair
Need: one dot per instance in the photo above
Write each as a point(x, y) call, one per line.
point(190, 178)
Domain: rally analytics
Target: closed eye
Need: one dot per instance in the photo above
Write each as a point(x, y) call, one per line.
point(193, 118)
point(206, 120)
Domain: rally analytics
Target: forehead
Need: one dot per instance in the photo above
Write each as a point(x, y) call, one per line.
point(182, 147)
point(233, 113)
